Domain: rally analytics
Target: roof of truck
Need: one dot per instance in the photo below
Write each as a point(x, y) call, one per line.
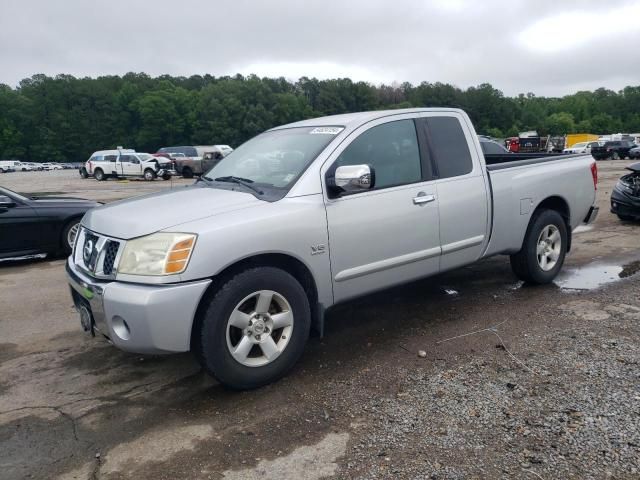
point(351, 119)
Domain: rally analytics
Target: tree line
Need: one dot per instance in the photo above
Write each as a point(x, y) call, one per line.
point(64, 118)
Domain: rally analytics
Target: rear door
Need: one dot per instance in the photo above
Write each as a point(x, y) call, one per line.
point(390, 234)
point(461, 186)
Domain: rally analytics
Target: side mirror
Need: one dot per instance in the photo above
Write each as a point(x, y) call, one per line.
point(6, 202)
point(355, 178)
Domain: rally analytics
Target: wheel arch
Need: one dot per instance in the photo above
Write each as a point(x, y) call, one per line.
point(560, 205)
point(290, 264)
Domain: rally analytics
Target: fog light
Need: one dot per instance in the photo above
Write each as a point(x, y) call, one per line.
point(120, 328)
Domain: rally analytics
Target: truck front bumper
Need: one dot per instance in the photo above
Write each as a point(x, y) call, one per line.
point(134, 317)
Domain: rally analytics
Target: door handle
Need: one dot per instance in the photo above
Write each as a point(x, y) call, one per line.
point(423, 198)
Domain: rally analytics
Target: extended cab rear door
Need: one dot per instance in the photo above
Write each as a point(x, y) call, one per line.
point(389, 234)
point(461, 186)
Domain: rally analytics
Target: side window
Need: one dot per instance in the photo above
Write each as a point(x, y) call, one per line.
point(110, 158)
point(391, 149)
point(448, 146)
point(124, 158)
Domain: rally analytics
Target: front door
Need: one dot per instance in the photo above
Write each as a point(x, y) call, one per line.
point(390, 234)
point(130, 165)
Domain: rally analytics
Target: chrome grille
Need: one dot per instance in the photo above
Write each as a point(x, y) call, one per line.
point(110, 253)
point(96, 254)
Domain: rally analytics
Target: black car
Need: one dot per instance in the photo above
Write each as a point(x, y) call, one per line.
point(625, 197)
point(30, 225)
point(614, 149)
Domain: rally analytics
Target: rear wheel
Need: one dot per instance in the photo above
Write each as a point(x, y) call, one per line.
point(543, 249)
point(166, 176)
point(187, 172)
point(99, 175)
point(254, 328)
point(149, 174)
point(615, 156)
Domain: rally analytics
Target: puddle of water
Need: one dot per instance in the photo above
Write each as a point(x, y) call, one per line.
point(594, 276)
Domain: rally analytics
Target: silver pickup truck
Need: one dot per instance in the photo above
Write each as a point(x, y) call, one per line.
point(308, 215)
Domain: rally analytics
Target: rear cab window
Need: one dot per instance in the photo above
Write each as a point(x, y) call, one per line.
point(447, 146)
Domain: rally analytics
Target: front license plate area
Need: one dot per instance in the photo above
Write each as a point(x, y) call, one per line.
point(86, 319)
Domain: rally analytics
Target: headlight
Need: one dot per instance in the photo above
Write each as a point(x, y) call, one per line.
point(624, 187)
point(157, 254)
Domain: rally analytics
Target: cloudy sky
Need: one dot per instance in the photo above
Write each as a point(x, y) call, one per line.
point(549, 47)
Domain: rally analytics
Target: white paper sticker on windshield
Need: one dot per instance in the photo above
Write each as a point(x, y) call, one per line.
point(326, 130)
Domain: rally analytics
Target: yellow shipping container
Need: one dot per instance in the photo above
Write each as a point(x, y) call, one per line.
point(571, 139)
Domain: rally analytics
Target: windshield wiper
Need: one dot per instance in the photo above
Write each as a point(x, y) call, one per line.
point(245, 182)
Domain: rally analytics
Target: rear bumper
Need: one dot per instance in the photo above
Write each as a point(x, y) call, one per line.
point(139, 318)
point(592, 215)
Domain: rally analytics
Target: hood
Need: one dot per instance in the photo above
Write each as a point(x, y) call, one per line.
point(138, 216)
point(634, 167)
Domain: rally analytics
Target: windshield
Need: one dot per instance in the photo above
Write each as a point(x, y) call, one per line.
point(276, 158)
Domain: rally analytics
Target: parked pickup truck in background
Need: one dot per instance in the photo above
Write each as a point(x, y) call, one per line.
point(241, 265)
point(613, 150)
point(119, 163)
point(190, 161)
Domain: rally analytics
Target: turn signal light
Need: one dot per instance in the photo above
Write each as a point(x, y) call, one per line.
point(178, 256)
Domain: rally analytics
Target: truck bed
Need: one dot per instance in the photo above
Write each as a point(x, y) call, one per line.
point(518, 185)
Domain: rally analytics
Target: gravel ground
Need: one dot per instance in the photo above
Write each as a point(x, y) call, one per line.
point(515, 382)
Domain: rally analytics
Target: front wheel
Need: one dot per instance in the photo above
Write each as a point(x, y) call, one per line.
point(149, 174)
point(99, 175)
point(625, 218)
point(187, 172)
point(543, 249)
point(166, 176)
point(83, 173)
point(254, 328)
point(615, 156)
point(69, 234)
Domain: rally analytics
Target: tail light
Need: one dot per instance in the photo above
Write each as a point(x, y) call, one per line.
point(594, 174)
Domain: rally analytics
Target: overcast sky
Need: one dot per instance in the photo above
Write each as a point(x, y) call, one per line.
point(549, 47)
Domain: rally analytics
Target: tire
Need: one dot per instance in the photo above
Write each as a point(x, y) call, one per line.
point(218, 337)
point(99, 175)
point(187, 172)
point(166, 176)
point(615, 156)
point(527, 264)
point(626, 218)
point(83, 173)
point(69, 233)
point(149, 175)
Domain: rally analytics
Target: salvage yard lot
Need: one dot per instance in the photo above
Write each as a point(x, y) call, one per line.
point(548, 387)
